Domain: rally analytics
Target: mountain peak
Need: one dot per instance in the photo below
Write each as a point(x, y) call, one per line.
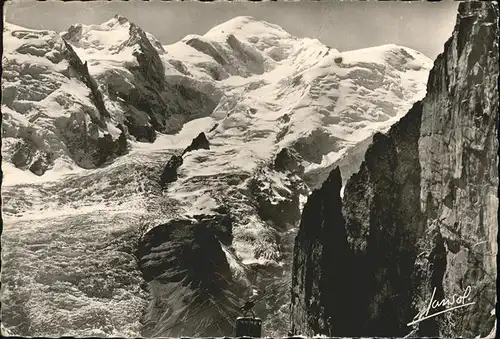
point(121, 19)
point(110, 33)
point(247, 26)
point(116, 21)
point(399, 57)
point(112, 37)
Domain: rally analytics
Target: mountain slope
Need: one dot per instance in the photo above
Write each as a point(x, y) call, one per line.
point(107, 107)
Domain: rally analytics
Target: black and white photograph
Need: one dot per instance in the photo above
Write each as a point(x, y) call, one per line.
point(249, 169)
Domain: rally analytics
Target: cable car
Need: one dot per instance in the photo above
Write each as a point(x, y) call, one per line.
point(248, 327)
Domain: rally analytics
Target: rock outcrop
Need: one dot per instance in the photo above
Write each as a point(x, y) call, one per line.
point(383, 218)
point(321, 264)
point(371, 254)
point(81, 71)
point(200, 142)
point(29, 154)
point(288, 160)
point(86, 143)
point(190, 249)
point(279, 204)
point(169, 174)
point(186, 255)
point(167, 105)
point(419, 219)
point(170, 171)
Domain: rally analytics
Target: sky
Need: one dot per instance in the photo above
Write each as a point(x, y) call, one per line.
point(344, 25)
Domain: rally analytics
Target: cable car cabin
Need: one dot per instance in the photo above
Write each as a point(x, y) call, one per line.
point(248, 327)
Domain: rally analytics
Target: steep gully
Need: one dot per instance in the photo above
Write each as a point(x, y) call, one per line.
point(419, 216)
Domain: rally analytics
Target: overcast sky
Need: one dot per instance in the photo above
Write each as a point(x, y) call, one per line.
point(344, 25)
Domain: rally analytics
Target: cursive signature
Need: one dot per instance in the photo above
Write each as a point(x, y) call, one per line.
point(459, 301)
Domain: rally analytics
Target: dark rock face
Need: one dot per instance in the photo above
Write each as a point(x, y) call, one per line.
point(221, 224)
point(383, 218)
point(458, 154)
point(321, 264)
point(313, 146)
point(29, 155)
point(40, 165)
point(278, 204)
point(82, 72)
point(107, 148)
point(168, 105)
point(372, 252)
point(200, 142)
point(192, 253)
point(288, 160)
point(86, 146)
point(186, 254)
point(139, 127)
point(170, 172)
point(420, 214)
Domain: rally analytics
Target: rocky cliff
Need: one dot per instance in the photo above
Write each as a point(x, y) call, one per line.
point(321, 269)
point(458, 149)
point(365, 250)
point(419, 217)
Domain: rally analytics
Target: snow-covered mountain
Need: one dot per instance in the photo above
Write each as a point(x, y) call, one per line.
point(91, 117)
point(93, 80)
